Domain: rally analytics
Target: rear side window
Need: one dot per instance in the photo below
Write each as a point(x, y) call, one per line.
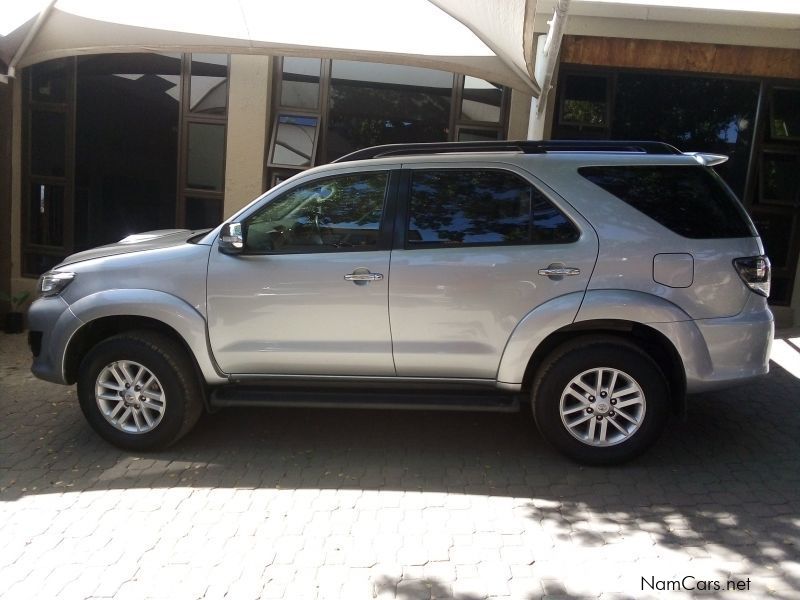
point(688, 200)
point(481, 207)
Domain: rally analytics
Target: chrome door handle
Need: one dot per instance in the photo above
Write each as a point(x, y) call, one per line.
point(363, 277)
point(559, 271)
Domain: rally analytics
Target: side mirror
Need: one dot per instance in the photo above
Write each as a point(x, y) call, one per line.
point(231, 240)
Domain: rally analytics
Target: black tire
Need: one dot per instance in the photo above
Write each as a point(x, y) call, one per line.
point(165, 359)
point(584, 354)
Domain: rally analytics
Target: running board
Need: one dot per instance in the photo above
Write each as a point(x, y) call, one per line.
point(258, 396)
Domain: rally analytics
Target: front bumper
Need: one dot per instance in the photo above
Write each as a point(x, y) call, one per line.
point(51, 324)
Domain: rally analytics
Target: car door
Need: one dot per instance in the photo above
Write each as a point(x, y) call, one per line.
point(309, 293)
point(469, 244)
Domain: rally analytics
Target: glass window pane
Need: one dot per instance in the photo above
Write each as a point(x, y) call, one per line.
point(49, 81)
point(206, 170)
point(466, 134)
point(202, 213)
point(690, 201)
point(208, 87)
point(481, 100)
point(46, 215)
point(677, 110)
point(785, 114)
point(468, 207)
point(372, 104)
point(338, 213)
point(550, 226)
point(295, 140)
point(584, 101)
point(780, 177)
point(300, 83)
point(48, 143)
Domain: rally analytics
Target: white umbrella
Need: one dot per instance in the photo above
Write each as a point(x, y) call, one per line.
point(489, 39)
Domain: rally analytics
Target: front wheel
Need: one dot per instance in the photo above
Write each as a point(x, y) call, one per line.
point(139, 390)
point(600, 401)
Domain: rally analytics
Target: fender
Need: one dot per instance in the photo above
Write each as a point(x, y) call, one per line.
point(169, 309)
point(604, 305)
point(531, 331)
point(658, 314)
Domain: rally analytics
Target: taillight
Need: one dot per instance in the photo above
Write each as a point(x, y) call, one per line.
point(755, 272)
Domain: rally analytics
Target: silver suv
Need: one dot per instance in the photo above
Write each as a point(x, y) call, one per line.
point(595, 282)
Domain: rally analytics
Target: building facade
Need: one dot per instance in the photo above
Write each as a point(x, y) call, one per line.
point(101, 146)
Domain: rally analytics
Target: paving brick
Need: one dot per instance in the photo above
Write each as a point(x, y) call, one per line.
point(297, 503)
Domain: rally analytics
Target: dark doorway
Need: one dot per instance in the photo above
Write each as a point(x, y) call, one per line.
point(126, 145)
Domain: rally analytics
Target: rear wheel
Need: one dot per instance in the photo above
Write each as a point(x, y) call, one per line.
point(139, 390)
point(600, 400)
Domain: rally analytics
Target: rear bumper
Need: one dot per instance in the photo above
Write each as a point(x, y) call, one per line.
point(724, 352)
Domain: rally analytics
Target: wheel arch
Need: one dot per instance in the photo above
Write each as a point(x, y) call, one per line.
point(116, 311)
point(652, 341)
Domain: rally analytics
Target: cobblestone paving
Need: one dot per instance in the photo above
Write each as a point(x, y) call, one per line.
point(294, 504)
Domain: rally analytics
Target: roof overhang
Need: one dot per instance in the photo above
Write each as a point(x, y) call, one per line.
point(482, 38)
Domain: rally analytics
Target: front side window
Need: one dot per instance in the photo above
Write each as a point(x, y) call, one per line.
point(338, 213)
point(481, 207)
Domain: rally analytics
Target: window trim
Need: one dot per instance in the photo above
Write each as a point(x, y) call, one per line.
point(385, 228)
point(403, 216)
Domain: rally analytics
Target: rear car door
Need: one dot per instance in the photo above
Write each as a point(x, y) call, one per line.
point(469, 244)
point(309, 294)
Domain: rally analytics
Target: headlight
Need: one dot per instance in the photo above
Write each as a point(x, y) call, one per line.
point(53, 282)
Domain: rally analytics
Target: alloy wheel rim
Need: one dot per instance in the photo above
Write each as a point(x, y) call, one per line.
point(602, 407)
point(130, 397)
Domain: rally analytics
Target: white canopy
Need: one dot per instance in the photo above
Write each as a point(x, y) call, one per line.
point(489, 39)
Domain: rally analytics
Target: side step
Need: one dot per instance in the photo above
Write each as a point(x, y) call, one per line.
point(411, 400)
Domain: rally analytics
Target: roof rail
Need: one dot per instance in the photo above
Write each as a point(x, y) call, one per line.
point(523, 146)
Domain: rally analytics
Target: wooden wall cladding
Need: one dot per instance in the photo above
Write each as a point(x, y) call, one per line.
point(681, 56)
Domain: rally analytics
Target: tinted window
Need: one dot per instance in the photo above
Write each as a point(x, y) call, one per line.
point(372, 104)
point(336, 213)
point(688, 200)
point(481, 207)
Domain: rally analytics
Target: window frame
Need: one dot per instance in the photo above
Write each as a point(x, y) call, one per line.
point(287, 112)
point(385, 227)
point(455, 122)
point(186, 118)
point(609, 99)
point(403, 214)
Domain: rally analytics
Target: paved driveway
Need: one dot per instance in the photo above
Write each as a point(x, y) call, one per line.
point(282, 503)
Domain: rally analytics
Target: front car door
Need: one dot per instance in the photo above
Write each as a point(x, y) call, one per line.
point(469, 244)
point(309, 294)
